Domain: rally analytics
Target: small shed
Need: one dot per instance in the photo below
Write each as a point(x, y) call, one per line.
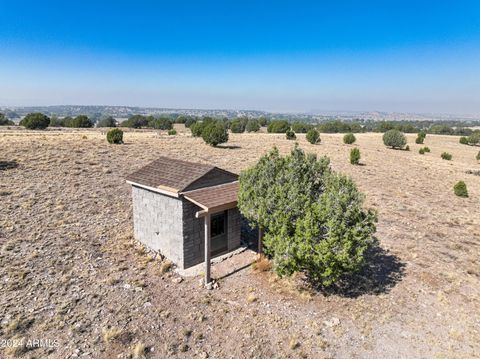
point(186, 211)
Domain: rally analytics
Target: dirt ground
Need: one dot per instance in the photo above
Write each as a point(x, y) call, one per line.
point(72, 276)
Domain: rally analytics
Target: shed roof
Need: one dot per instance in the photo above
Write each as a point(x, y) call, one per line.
point(215, 198)
point(175, 176)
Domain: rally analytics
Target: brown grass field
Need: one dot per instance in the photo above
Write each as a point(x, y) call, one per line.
point(70, 270)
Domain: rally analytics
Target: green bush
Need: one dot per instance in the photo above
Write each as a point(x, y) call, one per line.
point(135, 121)
point(446, 156)
point(290, 135)
point(474, 138)
point(107, 122)
point(115, 136)
point(460, 189)
point(80, 121)
point(5, 121)
point(252, 126)
point(35, 121)
point(237, 126)
point(354, 156)
point(313, 136)
point(407, 148)
point(463, 140)
point(426, 149)
point(421, 151)
point(278, 126)
point(215, 133)
point(301, 127)
point(189, 122)
point(262, 121)
point(161, 123)
point(172, 132)
point(420, 137)
point(478, 156)
point(197, 128)
point(313, 218)
point(394, 139)
point(349, 138)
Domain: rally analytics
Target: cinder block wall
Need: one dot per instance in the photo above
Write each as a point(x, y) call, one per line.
point(158, 223)
point(194, 233)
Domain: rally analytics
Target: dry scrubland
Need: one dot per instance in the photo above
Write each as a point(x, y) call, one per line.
point(70, 269)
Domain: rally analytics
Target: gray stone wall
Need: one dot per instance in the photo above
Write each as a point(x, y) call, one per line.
point(233, 228)
point(158, 223)
point(193, 235)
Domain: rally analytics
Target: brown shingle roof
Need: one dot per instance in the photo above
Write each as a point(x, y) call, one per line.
point(211, 198)
point(176, 175)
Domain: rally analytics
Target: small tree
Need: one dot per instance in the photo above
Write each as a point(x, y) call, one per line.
point(420, 137)
point(35, 121)
point(313, 218)
point(446, 156)
point(394, 139)
point(4, 121)
point(252, 126)
point(460, 189)
point(349, 138)
point(115, 136)
point(107, 122)
point(278, 126)
point(290, 135)
point(197, 129)
point(237, 126)
point(215, 133)
point(313, 136)
point(474, 138)
point(354, 156)
point(463, 140)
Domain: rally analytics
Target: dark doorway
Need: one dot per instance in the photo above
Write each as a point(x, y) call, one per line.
point(219, 237)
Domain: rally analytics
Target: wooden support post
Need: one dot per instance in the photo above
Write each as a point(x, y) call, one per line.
point(260, 237)
point(207, 249)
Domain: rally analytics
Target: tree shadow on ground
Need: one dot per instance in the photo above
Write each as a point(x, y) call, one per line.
point(229, 147)
point(8, 165)
point(380, 274)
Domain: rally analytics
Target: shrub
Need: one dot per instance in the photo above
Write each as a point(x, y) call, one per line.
point(278, 126)
point(290, 135)
point(197, 129)
point(215, 133)
point(420, 137)
point(478, 156)
point(115, 136)
point(35, 121)
point(349, 138)
point(446, 156)
point(237, 126)
point(57, 122)
point(394, 139)
point(301, 127)
point(407, 148)
point(252, 126)
point(189, 122)
point(161, 123)
point(5, 121)
point(262, 121)
point(135, 121)
point(463, 140)
point(354, 156)
point(460, 189)
point(421, 151)
point(313, 219)
point(474, 138)
point(313, 136)
point(172, 132)
point(426, 149)
point(107, 122)
point(80, 121)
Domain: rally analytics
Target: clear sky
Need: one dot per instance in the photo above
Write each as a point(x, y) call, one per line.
point(410, 56)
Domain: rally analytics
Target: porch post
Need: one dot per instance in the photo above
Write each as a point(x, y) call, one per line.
point(260, 237)
point(207, 249)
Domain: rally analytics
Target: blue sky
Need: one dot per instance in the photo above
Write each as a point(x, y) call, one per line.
point(411, 56)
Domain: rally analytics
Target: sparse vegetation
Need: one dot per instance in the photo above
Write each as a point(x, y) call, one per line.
point(110, 334)
point(108, 121)
point(115, 136)
point(420, 137)
point(478, 156)
point(139, 351)
point(394, 139)
point(349, 138)
point(313, 136)
point(35, 121)
point(446, 156)
point(460, 189)
point(4, 121)
point(172, 132)
point(354, 156)
point(426, 149)
point(421, 151)
point(80, 121)
point(463, 140)
point(252, 126)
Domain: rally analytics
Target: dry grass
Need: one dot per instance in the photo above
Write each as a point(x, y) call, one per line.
point(67, 208)
point(139, 351)
point(110, 334)
point(262, 264)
